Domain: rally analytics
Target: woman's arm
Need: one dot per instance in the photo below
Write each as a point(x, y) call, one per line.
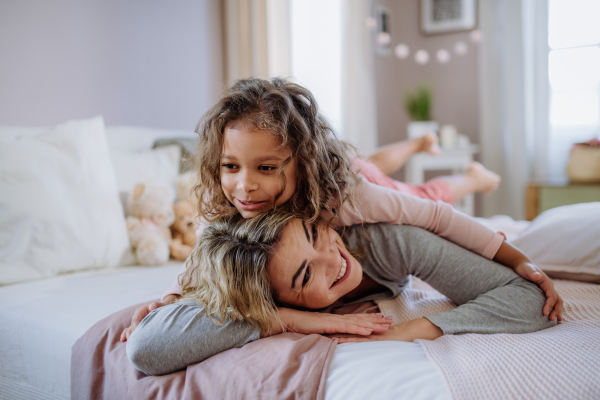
point(177, 335)
point(514, 258)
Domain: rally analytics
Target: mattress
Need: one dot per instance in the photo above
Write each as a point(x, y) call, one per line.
point(41, 321)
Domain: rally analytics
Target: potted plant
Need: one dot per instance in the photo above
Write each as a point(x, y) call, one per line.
point(418, 107)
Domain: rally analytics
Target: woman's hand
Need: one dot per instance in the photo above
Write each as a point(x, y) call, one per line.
point(407, 331)
point(554, 304)
point(323, 323)
point(514, 258)
point(141, 312)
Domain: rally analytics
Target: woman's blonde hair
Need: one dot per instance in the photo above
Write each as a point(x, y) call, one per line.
point(324, 180)
point(227, 272)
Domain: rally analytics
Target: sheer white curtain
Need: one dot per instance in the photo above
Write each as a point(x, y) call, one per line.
point(514, 98)
point(257, 38)
point(359, 114)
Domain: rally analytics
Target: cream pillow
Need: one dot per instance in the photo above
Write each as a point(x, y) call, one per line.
point(59, 203)
point(565, 242)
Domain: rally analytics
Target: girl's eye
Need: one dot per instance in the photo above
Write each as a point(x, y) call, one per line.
point(315, 234)
point(266, 168)
point(229, 166)
point(306, 277)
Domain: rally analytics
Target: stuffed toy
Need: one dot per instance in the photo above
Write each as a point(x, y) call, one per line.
point(150, 216)
point(183, 230)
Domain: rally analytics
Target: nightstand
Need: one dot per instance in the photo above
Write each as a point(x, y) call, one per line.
point(455, 160)
point(542, 196)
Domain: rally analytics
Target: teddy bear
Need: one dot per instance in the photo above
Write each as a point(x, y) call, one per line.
point(150, 216)
point(183, 230)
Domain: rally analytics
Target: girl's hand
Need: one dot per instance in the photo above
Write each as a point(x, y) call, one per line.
point(554, 304)
point(141, 312)
point(408, 331)
point(323, 323)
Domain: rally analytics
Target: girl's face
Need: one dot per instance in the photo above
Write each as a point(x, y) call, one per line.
point(311, 267)
point(249, 165)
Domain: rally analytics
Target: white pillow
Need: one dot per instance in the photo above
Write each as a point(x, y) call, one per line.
point(132, 168)
point(565, 242)
point(59, 203)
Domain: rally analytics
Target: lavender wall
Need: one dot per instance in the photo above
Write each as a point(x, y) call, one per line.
point(455, 84)
point(456, 99)
point(137, 62)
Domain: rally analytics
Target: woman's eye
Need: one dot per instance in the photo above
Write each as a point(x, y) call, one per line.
point(266, 168)
point(306, 277)
point(315, 233)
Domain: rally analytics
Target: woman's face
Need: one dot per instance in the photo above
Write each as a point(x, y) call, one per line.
point(249, 165)
point(311, 267)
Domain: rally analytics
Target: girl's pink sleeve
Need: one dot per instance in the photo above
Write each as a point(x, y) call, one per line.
point(175, 287)
point(380, 204)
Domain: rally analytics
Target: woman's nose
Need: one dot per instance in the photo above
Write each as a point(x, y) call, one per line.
point(332, 260)
point(247, 183)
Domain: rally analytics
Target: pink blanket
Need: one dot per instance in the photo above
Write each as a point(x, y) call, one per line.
point(562, 362)
point(280, 367)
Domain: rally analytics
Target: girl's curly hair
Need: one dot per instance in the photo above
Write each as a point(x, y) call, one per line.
point(324, 180)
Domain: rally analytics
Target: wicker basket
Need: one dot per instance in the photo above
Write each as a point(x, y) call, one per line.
point(584, 162)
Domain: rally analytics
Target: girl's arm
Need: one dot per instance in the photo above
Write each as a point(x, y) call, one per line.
point(380, 204)
point(408, 331)
point(514, 258)
point(309, 322)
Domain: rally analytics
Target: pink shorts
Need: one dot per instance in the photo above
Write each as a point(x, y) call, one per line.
point(434, 189)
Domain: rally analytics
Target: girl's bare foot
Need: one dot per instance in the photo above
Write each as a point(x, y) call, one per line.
point(483, 179)
point(428, 143)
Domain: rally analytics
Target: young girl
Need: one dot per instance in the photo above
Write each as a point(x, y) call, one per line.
point(265, 145)
point(247, 268)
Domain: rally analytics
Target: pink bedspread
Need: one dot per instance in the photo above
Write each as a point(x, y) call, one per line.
point(280, 367)
point(562, 362)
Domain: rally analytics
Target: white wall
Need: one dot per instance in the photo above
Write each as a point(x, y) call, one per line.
point(137, 62)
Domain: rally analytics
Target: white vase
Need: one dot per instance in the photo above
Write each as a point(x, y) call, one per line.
point(416, 129)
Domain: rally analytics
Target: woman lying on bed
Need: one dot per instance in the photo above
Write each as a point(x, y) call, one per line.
point(246, 269)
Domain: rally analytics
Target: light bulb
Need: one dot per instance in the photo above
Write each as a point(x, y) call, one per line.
point(460, 48)
point(422, 57)
point(402, 51)
point(443, 56)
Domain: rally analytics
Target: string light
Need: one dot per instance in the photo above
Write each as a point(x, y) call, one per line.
point(476, 36)
point(460, 48)
point(443, 56)
point(402, 51)
point(422, 57)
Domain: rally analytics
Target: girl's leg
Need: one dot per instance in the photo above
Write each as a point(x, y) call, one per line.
point(476, 179)
point(392, 157)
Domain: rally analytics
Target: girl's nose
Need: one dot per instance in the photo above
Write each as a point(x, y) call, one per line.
point(247, 183)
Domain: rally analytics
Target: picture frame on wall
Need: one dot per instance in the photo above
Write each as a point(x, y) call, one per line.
point(445, 16)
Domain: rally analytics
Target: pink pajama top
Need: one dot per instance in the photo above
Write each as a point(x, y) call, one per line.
point(380, 204)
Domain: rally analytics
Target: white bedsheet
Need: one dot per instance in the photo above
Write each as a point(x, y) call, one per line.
point(41, 320)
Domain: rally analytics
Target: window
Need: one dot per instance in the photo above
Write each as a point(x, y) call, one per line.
point(316, 53)
point(574, 72)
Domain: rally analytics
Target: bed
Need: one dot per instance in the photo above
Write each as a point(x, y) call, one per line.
point(43, 316)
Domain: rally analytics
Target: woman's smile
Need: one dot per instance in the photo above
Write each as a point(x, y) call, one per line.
point(311, 267)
